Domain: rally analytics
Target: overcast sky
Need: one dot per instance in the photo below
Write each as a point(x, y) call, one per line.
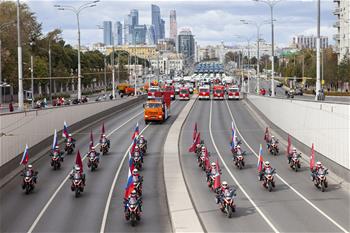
point(210, 21)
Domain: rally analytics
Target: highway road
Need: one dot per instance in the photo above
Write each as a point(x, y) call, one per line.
point(295, 205)
point(52, 206)
point(280, 92)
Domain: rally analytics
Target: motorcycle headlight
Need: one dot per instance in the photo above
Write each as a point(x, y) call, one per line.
point(132, 206)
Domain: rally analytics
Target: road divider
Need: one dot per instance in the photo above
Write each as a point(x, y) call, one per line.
point(183, 215)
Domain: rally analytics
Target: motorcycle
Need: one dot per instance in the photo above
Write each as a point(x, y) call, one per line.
point(28, 181)
point(137, 161)
point(295, 162)
point(133, 213)
point(321, 180)
point(227, 204)
point(56, 160)
point(69, 148)
point(273, 149)
point(268, 181)
point(104, 148)
point(77, 184)
point(93, 161)
point(239, 161)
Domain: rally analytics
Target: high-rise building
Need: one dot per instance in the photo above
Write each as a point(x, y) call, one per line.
point(173, 25)
point(107, 32)
point(309, 42)
point(158, 23)
point(127, 30)
point(186, 45)
point(119, 33)
point(139, 34)
point(150, 35)
point(134, 16)
point(342, 38)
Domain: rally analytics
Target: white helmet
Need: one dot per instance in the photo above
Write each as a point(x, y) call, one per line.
point(77, 168)
point(224, 184)
point(30, 166)
point(103, 135)
point(213, 164)
point(272, 136)
point(141, 136)
point(319, 163)
point(135, 171)
point(238, 146)
point(294, 149)
point(57, 147)
point(267, 163)
point(70, 135)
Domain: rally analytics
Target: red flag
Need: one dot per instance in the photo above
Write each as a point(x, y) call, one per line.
point(217, 181)
point(79, 162)
point(266, 136)
point(289, 146)
point(195, 142)
point(91, 140)
point(103, 129)
point(194, 132)
point(207, 163)
point(312, 158)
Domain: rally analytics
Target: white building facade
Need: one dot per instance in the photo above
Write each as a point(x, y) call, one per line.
point(342, 38)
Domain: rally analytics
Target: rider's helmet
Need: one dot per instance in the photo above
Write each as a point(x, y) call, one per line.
point(141, 136)
point(318, 164)
point(30, 166)
point(267, 164)
point(70, 135)
point(133, 193)
point(77, 168)
point(238, 147)
point(213, 165)
point(93, 148)
point(224, 185)
point(272, 136)
point(57, 147)
point(294, 150)
point(103, 135)
point(203, 148)
point(135, 172)
point(136, 148)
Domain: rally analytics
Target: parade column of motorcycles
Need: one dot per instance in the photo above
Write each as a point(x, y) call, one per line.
point(225, 194)
point(133, 190)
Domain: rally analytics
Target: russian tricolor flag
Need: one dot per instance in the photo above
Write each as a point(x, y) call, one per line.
point(233, 140)
point(65, 130)
point(129, 185)
point(260, 159)
point(136, 132)
point(25, 157)
point(55, 142)
point(131, 163)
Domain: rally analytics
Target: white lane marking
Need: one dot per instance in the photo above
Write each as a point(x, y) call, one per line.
point(105, 213)
point(234, 178)
point(67, 177)
point(285, 182)
point(108, 203)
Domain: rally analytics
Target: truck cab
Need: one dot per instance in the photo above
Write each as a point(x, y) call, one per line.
point(219, 92)
point(233, 93)
point(184, 93)
point(204, 93)
point(157, 109)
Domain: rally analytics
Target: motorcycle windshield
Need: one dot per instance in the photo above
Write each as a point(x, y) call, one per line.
point(321, 172)
point(268, 171)
point(132, 201)
point(76, 176)
point(228, 194)
point(28, 174)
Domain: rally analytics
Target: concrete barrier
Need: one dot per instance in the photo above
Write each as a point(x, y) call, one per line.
point(324, 124)
point(182, 213)
point(33, 127)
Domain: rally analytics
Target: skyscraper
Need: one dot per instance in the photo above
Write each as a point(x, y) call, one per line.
point(134, 17)
point(107, 32)
point(158, 23)
point(150, 35)
point(173, 25)
point(127, 26)
point(139, 34)
point(119, 33)
point(186, 45)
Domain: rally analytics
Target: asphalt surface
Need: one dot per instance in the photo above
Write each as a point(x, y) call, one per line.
point(283, 209)
point(65, 213)
point(280, 92)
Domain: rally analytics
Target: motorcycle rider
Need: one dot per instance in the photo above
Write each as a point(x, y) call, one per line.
point(318, 167)
point(266, 166)
point(142, 140)
point(76, 169)
point(221, 191)
point(136, 199)
point(136, 177)
point(238, 151)
point(71, 139)
point(273, 140)
point(292, 155)
point(57, 151)
point(104, 139)
point(212, 171)
point(31, 171)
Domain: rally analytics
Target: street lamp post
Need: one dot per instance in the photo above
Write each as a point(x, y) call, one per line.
point(318, 59)
point(77, 11)
point(20, 65)
point(271, 4)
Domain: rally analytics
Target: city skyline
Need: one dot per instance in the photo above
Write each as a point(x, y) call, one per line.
point(202, 18)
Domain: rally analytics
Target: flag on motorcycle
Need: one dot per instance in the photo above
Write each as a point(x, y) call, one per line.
point(206, 161)
point(103, 129)
point(131, 163)
point(289, 146)
point(25, 157)
point(79, 161)
point(133, 146)
point(217, 181)
point(136, 132)
point(91, 140)
point(65, 130)
point(129, 185)
point(267, 134)
point(312, 158)
point(195, 142)
point(260, 159)
point(194, 132)
point(55, 142)
point(233, 139)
